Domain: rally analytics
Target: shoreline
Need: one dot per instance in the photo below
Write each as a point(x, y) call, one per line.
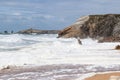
point(56, 72)
point(109, 75)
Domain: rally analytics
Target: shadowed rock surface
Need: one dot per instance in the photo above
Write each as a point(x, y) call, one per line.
point(109, 39)
point(94, 26)
point(29, 31)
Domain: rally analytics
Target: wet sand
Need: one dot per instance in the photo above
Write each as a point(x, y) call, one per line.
point(105, 76)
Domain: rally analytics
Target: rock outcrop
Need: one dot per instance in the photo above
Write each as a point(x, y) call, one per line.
point(29, 31)
point(94, 26)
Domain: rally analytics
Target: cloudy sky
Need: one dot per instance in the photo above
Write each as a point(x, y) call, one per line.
point(50, 14)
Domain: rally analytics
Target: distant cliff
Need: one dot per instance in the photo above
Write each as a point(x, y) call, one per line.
point(104, 27)
point(29, 31)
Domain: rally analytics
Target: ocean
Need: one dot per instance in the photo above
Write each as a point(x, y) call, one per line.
point(46, 57)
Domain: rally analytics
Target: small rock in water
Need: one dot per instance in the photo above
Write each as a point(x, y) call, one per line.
point(79, 41)
point(117, 47)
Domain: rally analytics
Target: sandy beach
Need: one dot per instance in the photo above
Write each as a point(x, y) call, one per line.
point(105, 76)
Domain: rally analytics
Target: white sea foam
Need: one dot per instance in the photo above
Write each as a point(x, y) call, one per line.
point(47, 49)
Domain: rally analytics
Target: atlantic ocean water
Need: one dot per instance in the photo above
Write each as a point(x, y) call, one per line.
point(56, 58)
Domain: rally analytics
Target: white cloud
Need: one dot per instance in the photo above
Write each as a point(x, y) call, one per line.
point(48, 16)
point(45, 16)
point(16, 13)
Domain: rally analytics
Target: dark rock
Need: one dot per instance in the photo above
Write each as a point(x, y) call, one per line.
point(29, 31)
point(94, 26)
point(117, 47)
point(79, 41)
point(6, 32)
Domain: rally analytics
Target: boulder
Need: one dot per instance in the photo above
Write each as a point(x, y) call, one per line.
point(117, 47)
point(94, 26)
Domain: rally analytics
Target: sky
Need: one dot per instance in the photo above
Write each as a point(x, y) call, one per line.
point(50, 14)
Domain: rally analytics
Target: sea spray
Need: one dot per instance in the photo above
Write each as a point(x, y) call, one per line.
point(47, 49)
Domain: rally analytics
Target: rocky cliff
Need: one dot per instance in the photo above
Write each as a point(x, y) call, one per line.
point(29, 31)
point(94, 26)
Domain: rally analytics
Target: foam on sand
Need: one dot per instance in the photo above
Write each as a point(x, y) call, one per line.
point(55, 72)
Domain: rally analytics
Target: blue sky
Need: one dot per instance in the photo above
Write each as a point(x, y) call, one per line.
point(50, 14)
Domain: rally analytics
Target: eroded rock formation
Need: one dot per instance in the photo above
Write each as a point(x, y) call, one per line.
point(94, 26)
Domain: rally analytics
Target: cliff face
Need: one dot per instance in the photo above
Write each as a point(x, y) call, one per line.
point(29, 31)
point(75, 30)
point(94, 26)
